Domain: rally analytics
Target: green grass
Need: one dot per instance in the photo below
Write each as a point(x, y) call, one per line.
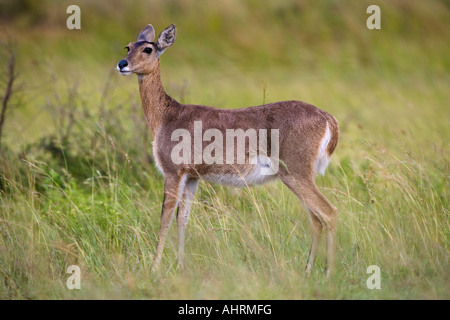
point(77, 186)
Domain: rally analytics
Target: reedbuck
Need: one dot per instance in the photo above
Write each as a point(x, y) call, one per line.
point(305, 138)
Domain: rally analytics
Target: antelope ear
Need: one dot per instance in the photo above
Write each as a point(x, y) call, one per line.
point(148, 34)
point(166, 39)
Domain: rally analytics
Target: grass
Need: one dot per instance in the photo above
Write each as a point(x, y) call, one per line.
point(77, 185)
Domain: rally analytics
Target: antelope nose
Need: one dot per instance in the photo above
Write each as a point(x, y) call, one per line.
point(123, 64)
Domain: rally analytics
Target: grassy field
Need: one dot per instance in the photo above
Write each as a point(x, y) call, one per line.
point(78, 185)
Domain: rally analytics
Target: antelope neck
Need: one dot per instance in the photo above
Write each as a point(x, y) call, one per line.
point(155, 100)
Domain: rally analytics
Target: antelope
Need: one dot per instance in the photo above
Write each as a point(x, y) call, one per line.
point(307, 138)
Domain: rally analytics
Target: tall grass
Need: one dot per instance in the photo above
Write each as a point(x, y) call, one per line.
point(391, 213)
point(77, 183)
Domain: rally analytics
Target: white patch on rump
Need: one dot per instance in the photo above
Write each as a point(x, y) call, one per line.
point(323, 159)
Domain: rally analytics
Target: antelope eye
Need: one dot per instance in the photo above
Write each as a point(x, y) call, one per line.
point(148, 50)
point(128, 48)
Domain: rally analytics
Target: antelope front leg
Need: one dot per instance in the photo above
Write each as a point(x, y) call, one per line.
point(172, 186)
point(183, 215)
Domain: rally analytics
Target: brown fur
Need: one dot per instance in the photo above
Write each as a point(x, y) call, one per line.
point(301, 127)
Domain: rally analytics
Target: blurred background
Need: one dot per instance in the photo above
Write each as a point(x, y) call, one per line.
point(234, 53)
point(77, 179)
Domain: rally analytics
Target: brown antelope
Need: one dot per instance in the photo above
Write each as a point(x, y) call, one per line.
point(307, 137)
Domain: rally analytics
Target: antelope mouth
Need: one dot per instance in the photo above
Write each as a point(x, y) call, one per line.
point(124, 71)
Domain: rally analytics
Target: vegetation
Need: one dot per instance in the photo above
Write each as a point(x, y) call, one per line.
point(78, 186)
